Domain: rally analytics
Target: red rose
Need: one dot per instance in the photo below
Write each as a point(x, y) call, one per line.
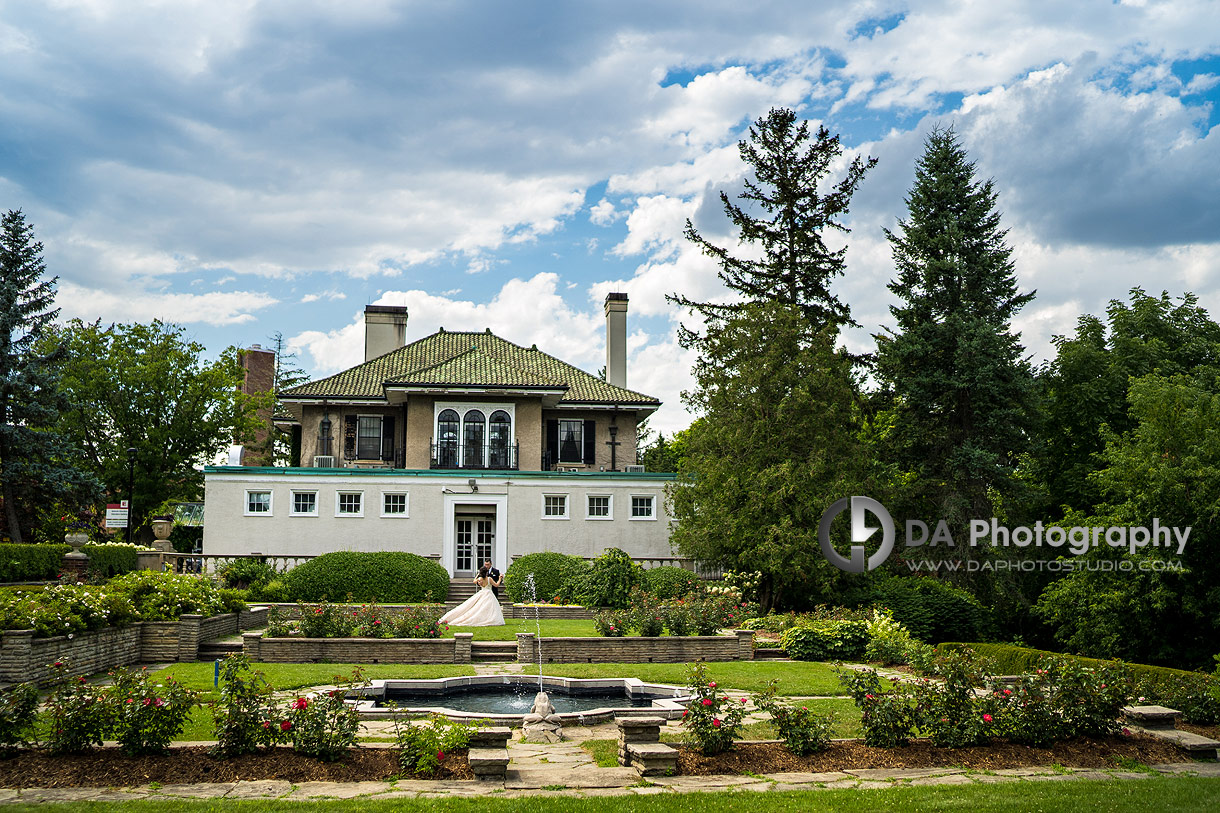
point(301, 704)
point(715, 723)
point(707, 701)
point(440, 755)
point(286, 725)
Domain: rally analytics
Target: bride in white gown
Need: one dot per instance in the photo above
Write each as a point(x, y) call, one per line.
point(480, 610)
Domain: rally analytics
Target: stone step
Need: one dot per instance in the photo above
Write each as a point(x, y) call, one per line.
point(1195, 743)
point(501, 651)
point(488, 764)
point(1151, 716)
point(770, 654)
point(652, 758)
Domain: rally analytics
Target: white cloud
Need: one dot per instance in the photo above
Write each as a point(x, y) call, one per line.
point(119, 305)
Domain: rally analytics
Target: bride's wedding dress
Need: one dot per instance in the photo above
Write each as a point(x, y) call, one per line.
point(480, 610)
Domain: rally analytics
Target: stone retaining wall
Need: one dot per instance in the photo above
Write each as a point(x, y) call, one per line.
point(258, 647)
point(26, 658)
point(739, 645)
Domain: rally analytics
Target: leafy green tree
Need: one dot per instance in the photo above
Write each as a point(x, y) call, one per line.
point(146, 387)
point(1167, 466)
point(36, 462)
point(1085, 387)
point(962, 393)
point(795, 266)
point(665, 454)
point(776, 444)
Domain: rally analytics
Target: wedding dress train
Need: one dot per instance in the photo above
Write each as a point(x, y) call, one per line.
point(480, 610)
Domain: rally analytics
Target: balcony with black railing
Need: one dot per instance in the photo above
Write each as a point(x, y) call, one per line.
point(492, 456)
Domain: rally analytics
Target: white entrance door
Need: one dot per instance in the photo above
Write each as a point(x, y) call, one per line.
point(475, 541)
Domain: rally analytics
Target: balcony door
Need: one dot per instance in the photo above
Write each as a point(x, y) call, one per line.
point(474, 543)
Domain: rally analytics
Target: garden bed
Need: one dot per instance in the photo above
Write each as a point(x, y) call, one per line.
point(757, 758)
point(108, 767)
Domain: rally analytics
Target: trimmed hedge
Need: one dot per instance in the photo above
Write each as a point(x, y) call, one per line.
point(111, 558)
point(31, 563)
point(668, 582)
point(384, 576)
point(1195, 694)
point(934, 611)
point(826, 640)
point(550, 570)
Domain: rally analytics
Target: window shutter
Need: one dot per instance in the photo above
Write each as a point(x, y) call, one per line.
point(349, 437)
point(552, 444)
point(387, 438)
point(590, 442)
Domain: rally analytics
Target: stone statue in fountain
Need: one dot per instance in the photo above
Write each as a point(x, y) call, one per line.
point(542, 723)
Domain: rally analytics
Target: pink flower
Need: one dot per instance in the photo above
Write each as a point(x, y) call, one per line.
point(286, 725)
point(711, 685)
point(129, 700)
point(266, 724)
point(707, 701)
point(986, 718)
point(147, 700)
point(715, 723)
point(1007, 691)
point(743, 701)
point(869, 697)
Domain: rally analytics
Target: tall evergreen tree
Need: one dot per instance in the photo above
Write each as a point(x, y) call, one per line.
point(35, 462)
point(962, 389)
point(795, 267)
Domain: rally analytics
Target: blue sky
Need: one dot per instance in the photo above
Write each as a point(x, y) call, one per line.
point(244, 168)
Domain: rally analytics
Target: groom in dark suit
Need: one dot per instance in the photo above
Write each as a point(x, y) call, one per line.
point(494, 575)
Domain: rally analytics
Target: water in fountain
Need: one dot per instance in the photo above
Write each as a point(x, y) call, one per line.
point(531, 592)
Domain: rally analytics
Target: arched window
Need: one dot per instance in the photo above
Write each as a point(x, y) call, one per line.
point(499, 440)
point(447, 439)
point(473, 428)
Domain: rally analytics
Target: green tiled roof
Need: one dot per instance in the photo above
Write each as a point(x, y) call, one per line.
point(467, 359)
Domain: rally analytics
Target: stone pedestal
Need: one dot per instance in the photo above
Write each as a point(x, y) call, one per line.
point(75, 563)
point(541, 725)
point(640, 746)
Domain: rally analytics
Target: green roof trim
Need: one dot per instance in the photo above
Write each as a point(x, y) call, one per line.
point(447, 359)
point(465, 473)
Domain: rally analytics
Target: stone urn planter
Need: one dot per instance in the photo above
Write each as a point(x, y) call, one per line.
point(76, 540)
point(161, 527)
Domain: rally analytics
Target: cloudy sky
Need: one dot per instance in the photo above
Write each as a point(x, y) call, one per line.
point(244, 168)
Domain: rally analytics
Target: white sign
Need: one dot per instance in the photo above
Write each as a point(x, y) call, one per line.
point(116, 515)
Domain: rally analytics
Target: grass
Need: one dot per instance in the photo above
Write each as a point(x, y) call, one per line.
point(802, 679)
point(551, 628)
point(604, 752)
point(288, 676)
point(1185, 794)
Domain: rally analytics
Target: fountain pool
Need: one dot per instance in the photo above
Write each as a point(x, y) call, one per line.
point(504, 700)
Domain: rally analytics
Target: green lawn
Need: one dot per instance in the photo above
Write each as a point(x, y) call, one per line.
point(551, 628)
point(1179, 794)
point(795, 678)
point(286, 676)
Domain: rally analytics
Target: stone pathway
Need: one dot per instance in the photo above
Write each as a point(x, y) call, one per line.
point(551, 771)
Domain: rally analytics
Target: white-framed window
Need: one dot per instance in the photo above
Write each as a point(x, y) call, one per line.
point(395, 503)
point(349, 504)
point(571, 441)
point(304, 504)
point(473, 435)
point(643, 506)
point(554, 506)
point(599, 506)
point(368, 437)
point(258, 503)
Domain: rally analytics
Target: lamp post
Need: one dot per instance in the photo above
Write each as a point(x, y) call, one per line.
point(131, 490)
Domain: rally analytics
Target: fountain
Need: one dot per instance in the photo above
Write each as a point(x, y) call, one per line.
point(542, 724)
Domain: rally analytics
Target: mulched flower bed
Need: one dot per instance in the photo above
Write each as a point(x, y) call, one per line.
point(759, 758)
point(108, 767)
point(1212, 731)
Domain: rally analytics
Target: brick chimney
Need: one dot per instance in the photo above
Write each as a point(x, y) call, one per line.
point(258, 364)
point(616, 339)
point(385, 329)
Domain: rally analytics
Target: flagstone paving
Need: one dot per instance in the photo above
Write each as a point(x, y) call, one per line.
point(566, 773)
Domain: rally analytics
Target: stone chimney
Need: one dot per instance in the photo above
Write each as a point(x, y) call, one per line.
point(258, 365)
point(385, 329)
point(616, 339)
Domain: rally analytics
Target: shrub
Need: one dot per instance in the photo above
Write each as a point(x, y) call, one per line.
point(1025, 713)
point(889, 719)
point(952, 716)
point(167, 596)
point(669, 582)
point(65, 609)
point(1088, 699)
point(804, 732)
point(712, 719)
point(186, 538)
point(575, 588)
point(386, 576)
point(826, 640)
point(147, 715)
point(711, 612)
point(18, 713)
point(111, 558)
point(646, 614)
point(612, 577)
point(324, 620)
point(744, 582)
point(246, 716)
point(423, 748)
point(611, 623)
point(549, 569)
point(31, 563)
point(676, 616)
point(888, 641)
point(324, 725)
point(934, 611)
point(79, 714)
point(274, 591)
point(420, 621)
point(245, 574)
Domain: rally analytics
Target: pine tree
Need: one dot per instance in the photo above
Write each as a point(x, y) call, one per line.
point(962, 389)
point(35, 462)
point(796, 266)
